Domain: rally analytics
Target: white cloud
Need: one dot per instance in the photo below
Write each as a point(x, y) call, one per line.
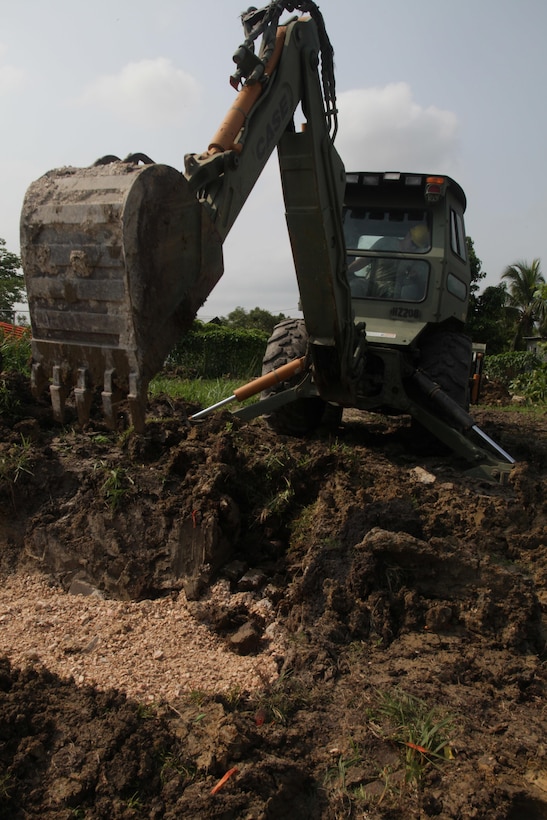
point(11, 77)
point(385, 129)
point(149, 92)
point(16, 176)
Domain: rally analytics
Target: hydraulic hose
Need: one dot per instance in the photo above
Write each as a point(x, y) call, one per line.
point(452, 409)
point(457, 414)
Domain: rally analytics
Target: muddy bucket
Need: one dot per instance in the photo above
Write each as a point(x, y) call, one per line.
point(118, 258)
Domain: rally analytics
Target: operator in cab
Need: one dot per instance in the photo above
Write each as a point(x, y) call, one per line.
point(380, 280)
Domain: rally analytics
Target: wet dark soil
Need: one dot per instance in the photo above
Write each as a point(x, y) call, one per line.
point(410, 593)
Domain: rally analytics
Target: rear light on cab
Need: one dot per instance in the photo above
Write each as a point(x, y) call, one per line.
point(435, 188)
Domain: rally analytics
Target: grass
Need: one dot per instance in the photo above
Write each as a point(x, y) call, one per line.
point(116, 485)
point(421, 731)
point(278, 502)
point(15, 462)
point(538, 409)
point(234, 697)
point(281, 699)
point(9, 401)
point(134, 803)
point(15, 353)
point(276, 462)
point(203, 392)
point(172, 764)
point(336, 786)
point(100, 438)
point(6, 785)
point(301, 526)
point(197, 698)
point(146, 711)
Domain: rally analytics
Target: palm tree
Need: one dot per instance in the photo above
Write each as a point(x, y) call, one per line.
point(525, 302)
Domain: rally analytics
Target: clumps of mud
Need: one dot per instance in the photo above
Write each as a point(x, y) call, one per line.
point(379, 573)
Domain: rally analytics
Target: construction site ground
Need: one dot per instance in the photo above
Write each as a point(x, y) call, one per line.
point(213, 621)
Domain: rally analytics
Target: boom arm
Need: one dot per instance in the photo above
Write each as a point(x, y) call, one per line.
point(313, 181)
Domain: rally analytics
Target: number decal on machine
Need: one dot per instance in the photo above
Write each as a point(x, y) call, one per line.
point(405, 313)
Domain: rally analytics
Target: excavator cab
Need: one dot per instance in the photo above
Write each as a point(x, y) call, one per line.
point(407, 256)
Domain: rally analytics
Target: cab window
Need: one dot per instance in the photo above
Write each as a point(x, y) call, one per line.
point(457, 235)
point(399, 280)
point(393, 231)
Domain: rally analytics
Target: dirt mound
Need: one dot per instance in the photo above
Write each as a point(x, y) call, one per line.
point(400, 601)
point(494, 392)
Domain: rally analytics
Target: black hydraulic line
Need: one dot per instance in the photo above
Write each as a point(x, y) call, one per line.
point(136, 158)
point(452, 409)
point(264, 22)
point(106, 160)
point(139, 157)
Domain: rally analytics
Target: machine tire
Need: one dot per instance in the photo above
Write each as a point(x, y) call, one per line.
point(303, 416)
point(446, 358)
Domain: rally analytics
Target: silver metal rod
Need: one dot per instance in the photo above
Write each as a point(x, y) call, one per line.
point(493, 444)
point(210, 409)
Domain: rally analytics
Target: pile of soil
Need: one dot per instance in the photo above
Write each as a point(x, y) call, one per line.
point(378, 619)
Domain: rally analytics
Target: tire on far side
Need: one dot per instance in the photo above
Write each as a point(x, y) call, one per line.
point(303, 416)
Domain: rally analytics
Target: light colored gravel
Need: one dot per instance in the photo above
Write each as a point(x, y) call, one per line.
point(151, 650)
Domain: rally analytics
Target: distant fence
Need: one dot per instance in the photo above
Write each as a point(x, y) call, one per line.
point(14, 347)
point(14, 331)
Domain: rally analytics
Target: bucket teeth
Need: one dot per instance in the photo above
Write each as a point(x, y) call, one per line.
point(58, 391)
point(39, 381)
point(137, 402)
point(83, 395)
point(112, 396)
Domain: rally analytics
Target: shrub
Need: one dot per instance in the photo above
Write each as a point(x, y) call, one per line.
point(506, 367)
point(15, 351)
point(211, 351)
point(532, 385)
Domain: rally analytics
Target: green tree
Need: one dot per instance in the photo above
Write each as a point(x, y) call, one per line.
point(490, 323)
point(542, 295)
point(477, 273)
point(525, 302)
point(255, 319)
point(12, 283)
point(486, 315)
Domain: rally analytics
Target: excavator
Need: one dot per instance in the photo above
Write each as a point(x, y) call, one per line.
point(120, 256)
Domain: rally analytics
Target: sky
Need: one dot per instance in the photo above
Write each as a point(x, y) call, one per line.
point(428, 86)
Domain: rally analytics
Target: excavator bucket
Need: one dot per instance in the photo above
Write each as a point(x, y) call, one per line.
point(118, 258)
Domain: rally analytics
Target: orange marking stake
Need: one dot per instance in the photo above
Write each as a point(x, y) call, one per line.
point(224, 779)
point(260, 717)
point(418, 748)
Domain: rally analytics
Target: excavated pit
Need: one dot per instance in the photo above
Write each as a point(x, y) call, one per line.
point(359, 570)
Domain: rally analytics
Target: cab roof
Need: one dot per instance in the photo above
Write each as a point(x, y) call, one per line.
point(405, 186)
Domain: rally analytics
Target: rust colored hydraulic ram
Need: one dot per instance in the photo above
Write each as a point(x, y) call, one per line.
point(277, 376)
point(232, 124)
point(118, 258)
